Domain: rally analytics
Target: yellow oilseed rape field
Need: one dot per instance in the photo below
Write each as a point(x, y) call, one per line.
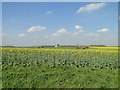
point(96, 67)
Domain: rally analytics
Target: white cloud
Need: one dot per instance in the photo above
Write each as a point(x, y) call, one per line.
point(55, 34)
point(119, 17)
point(49, 12)
point(60, 32)
point(103, 30)
point(36, 28)
point(91, 34)
point(91, 7)
point(79, 28)
point(22, 35)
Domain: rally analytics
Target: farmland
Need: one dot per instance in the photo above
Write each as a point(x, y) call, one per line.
point(96, 67)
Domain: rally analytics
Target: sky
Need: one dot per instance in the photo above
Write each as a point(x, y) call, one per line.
point(118, 23)
point(0, 24)
point(60, 0)
point(64, 23)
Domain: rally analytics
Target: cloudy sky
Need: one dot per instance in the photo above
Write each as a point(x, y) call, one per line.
point(26, 24)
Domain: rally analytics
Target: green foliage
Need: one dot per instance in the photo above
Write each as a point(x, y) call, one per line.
point(59, 68)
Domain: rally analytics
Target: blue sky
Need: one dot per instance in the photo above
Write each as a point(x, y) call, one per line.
point(60, 0)
point(0, 14)
point(83, 23)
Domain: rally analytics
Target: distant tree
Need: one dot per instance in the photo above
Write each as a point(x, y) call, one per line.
point(82, 47)
point(58, 45)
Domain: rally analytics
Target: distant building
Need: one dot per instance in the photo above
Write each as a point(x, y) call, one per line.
point(57, 45)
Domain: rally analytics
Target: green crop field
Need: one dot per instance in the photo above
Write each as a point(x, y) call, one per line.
point(96, 67)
